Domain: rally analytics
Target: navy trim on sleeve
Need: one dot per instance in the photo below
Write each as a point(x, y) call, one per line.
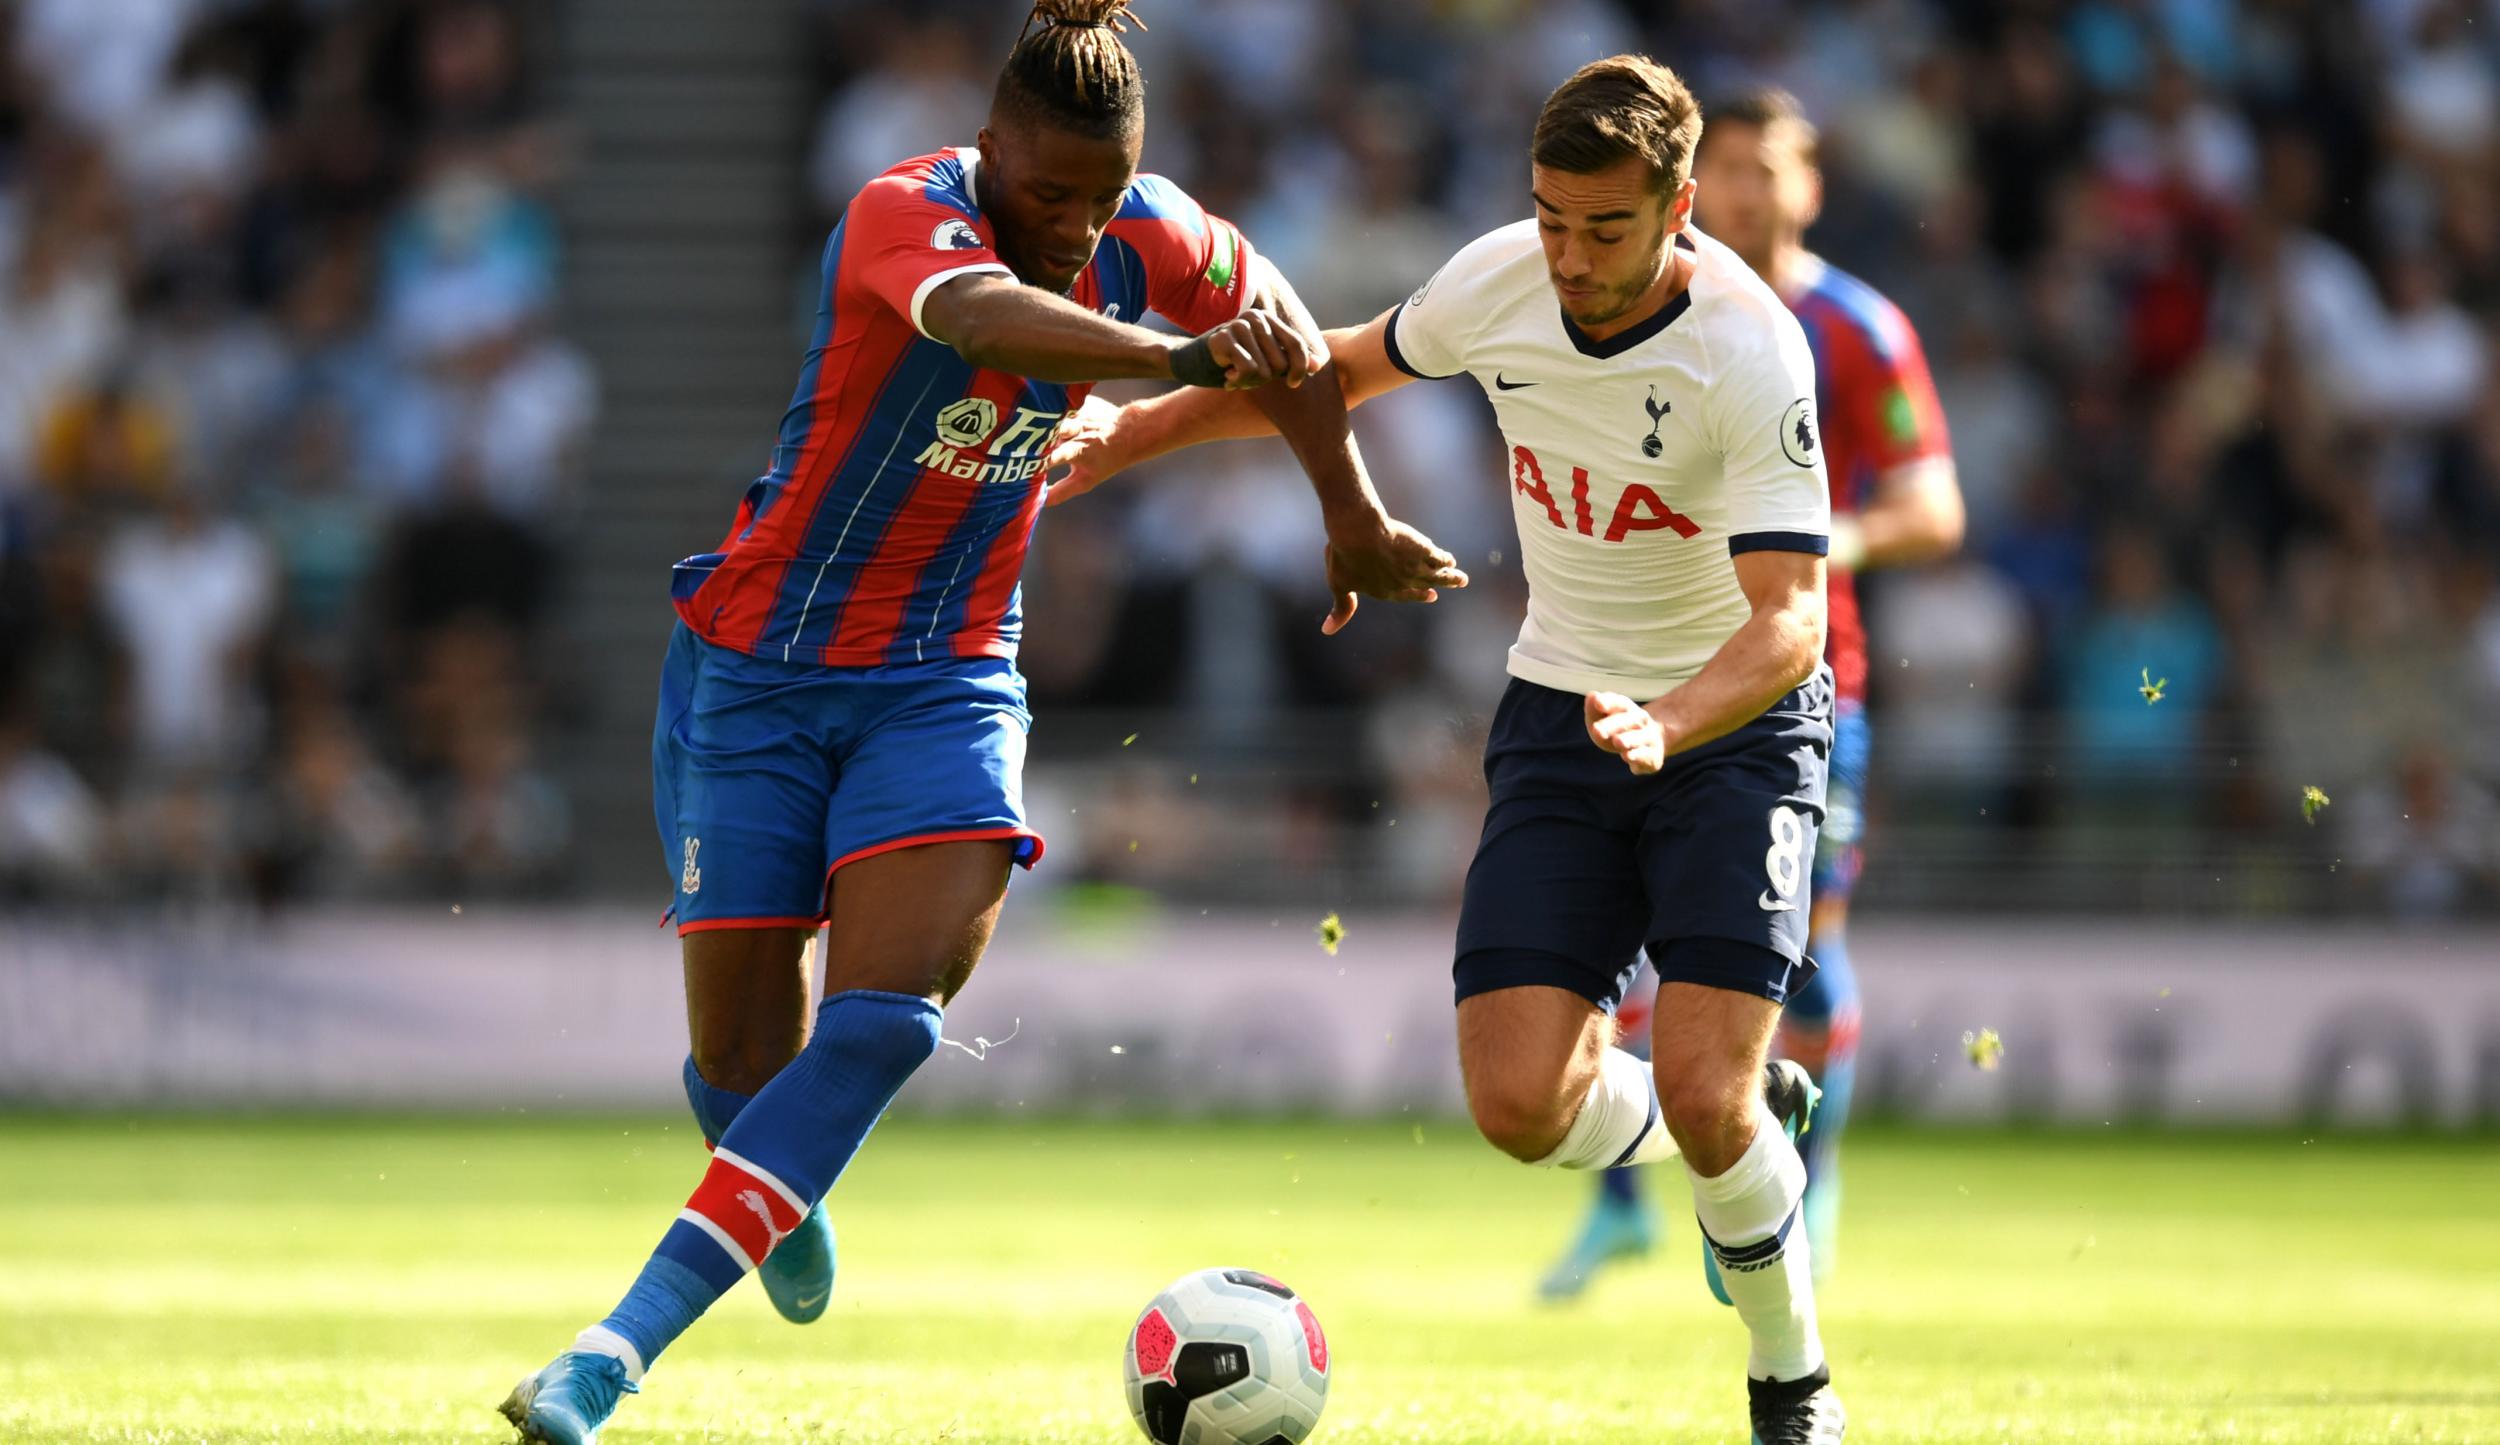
point(1813, 542)
point(1397, 358)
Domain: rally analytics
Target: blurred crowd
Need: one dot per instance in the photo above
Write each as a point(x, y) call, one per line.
point(290, 445)
point(287, 447)
point(2211, 291)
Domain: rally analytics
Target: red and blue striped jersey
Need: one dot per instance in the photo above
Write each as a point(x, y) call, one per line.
point(1879, 412)
point(892, 524)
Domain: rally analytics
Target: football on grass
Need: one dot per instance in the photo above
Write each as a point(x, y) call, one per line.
point(1227, 1357)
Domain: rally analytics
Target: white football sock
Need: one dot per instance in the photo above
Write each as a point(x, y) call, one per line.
point(600, 1340)
point(1619, 1122)
point(1749, 1216)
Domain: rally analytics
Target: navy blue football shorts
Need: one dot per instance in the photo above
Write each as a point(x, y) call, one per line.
point(1707, 863)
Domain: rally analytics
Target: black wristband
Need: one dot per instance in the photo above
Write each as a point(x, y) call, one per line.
point(1193, 364)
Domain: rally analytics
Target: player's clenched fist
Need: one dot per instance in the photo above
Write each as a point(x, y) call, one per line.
point(1628, 730)
point(1252, 349)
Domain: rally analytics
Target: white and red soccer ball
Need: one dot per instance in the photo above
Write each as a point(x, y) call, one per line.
point(1227, 1357)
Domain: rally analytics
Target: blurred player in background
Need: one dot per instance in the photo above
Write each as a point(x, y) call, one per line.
point(1667, 482)
point(841, 729)
point(1895, 502)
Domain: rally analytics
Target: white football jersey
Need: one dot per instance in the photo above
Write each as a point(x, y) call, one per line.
point(1640, 464)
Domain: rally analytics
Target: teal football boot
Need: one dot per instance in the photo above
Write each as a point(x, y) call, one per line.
point(798, 1275)
point(567, 1402)
point(1616, 1229)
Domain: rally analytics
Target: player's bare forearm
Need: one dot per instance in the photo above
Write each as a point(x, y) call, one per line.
point(1357, 355)
point(1776, 649)
point(1312, 420)
point(1101, 443)
point(1915, 517)
point(1002, 326)
point(1160, 425)
point(1370, 553)
point(1185, 417)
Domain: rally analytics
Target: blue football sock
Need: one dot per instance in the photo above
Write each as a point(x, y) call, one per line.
point(782, 1153)
point(1619, 1186)
point(1834, 993)
point(715, 1108)
point(1821, 1145)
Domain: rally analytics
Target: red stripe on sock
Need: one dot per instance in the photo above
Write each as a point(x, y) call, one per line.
point(745, 1208)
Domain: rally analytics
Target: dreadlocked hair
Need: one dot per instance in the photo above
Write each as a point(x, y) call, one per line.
point(1069, 69)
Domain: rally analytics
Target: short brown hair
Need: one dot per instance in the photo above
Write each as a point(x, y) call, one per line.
point(1769, 109)
point(1620, 108)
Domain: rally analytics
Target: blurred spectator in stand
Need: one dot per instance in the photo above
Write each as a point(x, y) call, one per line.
point(926, 89)
point(495, 823)
point(2003, 418)
point(325, 530)
point(454, 74)
point(336, 823)
point(2127, 755)
point(2427, 838)
point(53, 828)
point(2361, 666)
point(1955, 650)
point(464, 588)
point(62, 307)
point(188, 596)
point(276, 279)
point(109, 448)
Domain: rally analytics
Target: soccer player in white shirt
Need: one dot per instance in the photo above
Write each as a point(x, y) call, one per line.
point(1657, 765)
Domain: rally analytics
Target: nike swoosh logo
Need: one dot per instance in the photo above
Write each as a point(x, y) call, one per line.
point(810, 1301)
point(1506, 384)
point(1775, 905)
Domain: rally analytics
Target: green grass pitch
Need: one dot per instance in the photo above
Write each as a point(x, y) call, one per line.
point(362, 1280)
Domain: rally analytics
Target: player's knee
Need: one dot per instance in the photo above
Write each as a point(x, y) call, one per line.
point(1526, 1124)
point(741, 1063)
point(1709, 1118)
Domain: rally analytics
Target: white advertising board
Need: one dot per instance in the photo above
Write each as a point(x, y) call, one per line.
point(491, 1009)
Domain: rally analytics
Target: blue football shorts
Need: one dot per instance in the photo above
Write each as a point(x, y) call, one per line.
point(767, 777)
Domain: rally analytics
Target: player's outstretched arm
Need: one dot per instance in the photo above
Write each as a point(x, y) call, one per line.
point(997, 324)
point(1777, 648)
point(1101, 441)
point(1370, 553)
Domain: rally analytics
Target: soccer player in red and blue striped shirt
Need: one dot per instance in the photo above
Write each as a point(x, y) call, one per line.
point(841, 731)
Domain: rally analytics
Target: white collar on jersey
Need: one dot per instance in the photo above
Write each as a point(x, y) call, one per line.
point(1623, 341)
